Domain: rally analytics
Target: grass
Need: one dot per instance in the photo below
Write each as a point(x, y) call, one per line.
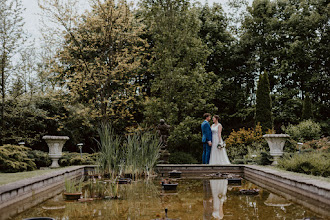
point(13, 177)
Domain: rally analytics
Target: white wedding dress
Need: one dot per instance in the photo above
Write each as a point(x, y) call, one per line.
point(218, 156)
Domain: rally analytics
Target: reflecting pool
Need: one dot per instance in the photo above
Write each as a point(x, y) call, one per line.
point(193, 199)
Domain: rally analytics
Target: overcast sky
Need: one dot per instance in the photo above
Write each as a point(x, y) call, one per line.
point(32, 9)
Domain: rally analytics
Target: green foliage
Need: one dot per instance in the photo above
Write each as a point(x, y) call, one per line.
point(110, 157)
point(315, 163)
point(73, 185)
point(181, 86)
point(186, 137)
point(239, 142)
point(15, 159)
point(141, 152)
point(30, 119)
point(307, 112)
point(304, 131)
point(72, 159)
point(264, 105)
point(182, 158)
point(317, 145)
point(40, 158)
point(137, 154)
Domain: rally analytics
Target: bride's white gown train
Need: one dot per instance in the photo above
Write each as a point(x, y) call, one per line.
point(218, 156)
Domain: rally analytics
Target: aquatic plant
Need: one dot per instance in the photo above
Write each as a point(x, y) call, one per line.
point(110, 154)
point(73, 185)
point(141, 152)
point(136, 155)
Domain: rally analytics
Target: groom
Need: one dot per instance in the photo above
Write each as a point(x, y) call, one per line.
point(207, 138)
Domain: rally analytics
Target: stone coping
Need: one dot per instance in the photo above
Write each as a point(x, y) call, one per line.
point(199, 165)
point(25, 182)
point(292, 176)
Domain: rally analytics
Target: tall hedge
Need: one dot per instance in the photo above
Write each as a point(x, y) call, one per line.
point(307, 108)
point(264, 104)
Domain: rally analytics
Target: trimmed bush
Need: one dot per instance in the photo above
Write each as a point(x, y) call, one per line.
point(73, 159)
point(307, 112)
point(15, 158)
point(264, 103)
point(304, 131)
point(182, 158)
point(315, 163)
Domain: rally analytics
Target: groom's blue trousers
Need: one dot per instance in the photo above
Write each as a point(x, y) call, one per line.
point(206, 153)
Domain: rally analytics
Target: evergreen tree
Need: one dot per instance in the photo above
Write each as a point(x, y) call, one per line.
point(11, 38)
point(264, 105)
point(307, 112)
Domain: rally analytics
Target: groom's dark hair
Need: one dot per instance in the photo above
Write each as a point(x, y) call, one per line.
point(206, 115)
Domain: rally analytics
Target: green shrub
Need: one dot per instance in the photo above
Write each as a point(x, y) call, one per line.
point(182, 158)
point(40, 158)
point(73, 159)
point(15, 159)
point(314, 163)
point(186, 137)
point(304, 131)
point(239, 142)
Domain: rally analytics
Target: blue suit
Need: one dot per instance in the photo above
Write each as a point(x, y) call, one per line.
point(207, 136)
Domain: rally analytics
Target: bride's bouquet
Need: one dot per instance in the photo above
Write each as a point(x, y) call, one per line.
point(221, 145)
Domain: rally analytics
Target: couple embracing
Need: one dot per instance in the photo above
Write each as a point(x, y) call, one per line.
point(214, 151)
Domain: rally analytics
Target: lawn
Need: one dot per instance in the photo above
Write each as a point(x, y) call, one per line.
point(13, 177)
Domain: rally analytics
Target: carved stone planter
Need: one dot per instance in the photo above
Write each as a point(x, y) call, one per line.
point(55, 145)
point(276, 143)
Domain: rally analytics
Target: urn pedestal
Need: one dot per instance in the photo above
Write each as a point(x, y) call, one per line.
point(276, 143)
point(55, 145)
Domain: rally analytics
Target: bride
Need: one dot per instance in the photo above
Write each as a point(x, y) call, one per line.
point(218, 151)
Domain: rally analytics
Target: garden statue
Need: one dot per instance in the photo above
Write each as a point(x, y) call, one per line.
point(55, 145)
point(163, 130)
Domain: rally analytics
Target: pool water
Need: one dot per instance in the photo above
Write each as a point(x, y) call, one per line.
point(193, 199)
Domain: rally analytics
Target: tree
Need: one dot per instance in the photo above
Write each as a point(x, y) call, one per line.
point(307, 112)
point(264, 105)
point(227, 61)
point(181, 86)
point(11, 38)
point(99, 60)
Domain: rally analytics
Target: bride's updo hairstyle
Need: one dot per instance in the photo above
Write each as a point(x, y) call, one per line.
point(217, 117)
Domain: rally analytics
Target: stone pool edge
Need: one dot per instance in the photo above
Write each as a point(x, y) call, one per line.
point(318, 190)
point(16, 191)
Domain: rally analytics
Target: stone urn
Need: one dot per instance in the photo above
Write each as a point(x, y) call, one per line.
point(55, 145)
point(276, 143)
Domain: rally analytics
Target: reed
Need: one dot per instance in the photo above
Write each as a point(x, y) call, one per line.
point(73, 186)
point(110, 156)
point(137, 154)
point(141, 152)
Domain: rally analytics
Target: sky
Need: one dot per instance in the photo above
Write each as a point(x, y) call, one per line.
point(32, 10)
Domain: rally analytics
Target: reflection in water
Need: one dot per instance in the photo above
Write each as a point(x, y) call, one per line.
point(214, 196)
point(219, 191)
point(274, 200)
point(207, 202)
point(193, 199)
